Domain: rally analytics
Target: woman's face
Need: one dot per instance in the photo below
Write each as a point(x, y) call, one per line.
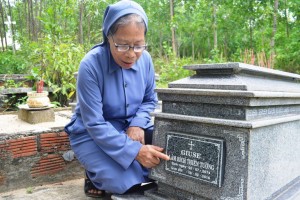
point(132, 35)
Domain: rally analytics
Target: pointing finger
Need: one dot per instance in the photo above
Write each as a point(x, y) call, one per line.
point(161, 155)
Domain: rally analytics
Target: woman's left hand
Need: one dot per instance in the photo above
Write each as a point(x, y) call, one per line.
point(136, 134)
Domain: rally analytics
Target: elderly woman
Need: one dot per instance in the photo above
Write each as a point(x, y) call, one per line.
point(111, 129)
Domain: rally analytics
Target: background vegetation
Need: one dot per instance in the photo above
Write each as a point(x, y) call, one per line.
point(55, 34)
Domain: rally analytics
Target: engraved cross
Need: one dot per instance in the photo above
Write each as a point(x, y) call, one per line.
point(191, 144)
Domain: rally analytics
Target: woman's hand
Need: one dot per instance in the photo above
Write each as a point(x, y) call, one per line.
point(149, 156)
point(136, 134)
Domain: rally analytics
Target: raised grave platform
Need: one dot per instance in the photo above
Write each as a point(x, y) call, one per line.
point(35, 154)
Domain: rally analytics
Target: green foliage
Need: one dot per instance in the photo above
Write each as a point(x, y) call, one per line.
point(9, 103)
point(13, 100)
point(215, 57)
point(12, 84)
point(55, 104)
point(13, 64)
point(171, 68)
point(21, 101)
point(288, 56)
point(243, 28)
point(56, 63)
point(29, 190)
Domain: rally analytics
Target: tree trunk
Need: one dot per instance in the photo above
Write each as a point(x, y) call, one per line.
point(26, 28)
point(32, 21)
point(12, 29)
point(251, 35)
point(89, 28)
point(3, 25)
point(251, 24)
point(215, 25)
point(160, 43)
point(173, 28)
point(40, 14)
point(271, 63)
point(80, 28)
point(287, 19)
point(208, 43)
point(1, 36)
point(20, 20)
point(65, 20)
point(36, 11)
point(193, 47)
point(29, 20)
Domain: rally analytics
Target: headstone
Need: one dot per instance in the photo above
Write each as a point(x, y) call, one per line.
point(232, 132)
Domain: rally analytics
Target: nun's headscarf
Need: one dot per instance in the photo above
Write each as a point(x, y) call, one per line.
point(115, 11)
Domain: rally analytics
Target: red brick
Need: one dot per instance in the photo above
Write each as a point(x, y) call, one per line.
point(20, 139)
point(48, 167)
point(59, 134)
point(52, 142)
point(20, 147)
point(45, 173)
point(50, 164)
point(52, 160)
point(24, 154)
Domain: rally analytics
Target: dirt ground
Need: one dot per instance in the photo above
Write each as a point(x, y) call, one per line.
point(72, 189)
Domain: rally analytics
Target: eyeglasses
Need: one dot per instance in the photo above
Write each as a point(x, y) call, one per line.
point(126, 47)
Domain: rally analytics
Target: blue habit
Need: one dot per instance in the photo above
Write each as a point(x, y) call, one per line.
point(111, 99)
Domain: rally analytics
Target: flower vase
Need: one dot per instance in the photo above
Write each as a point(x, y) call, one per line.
point(38, 99)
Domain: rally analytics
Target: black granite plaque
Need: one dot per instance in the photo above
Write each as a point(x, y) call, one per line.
point(198, 157)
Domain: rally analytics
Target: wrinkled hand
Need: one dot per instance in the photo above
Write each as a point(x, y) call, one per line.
point(149, 156)
point(136, 134)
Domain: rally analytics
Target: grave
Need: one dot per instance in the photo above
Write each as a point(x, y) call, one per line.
point(35, 154)
point(232, 132)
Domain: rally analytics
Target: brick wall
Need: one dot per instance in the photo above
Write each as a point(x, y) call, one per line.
point(33, 159)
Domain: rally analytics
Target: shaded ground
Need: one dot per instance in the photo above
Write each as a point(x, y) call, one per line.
point(72, 189)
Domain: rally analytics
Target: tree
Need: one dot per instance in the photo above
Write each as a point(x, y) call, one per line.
point(80, 28)
point(215, 31)
point(11, 24)
point(174, 46)
point(3, 25)
point(272, 44)
point(198, 30)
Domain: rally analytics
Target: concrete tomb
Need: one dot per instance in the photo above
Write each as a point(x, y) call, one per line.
point(232, 132)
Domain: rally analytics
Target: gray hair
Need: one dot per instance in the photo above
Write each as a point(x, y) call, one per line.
point(125, 20)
